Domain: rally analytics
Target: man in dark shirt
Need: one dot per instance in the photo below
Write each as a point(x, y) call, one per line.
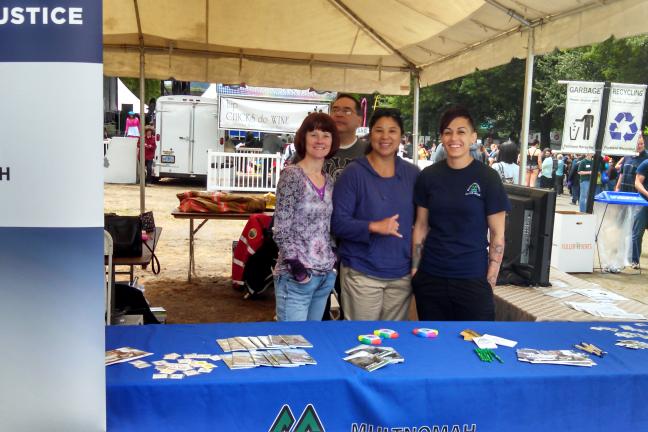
point(640, 221)
point(627, 183)
point(574, 180)
point(584, 174)
point(347, 116)
point(628, 166)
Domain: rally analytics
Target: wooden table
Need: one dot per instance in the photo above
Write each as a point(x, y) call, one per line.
point(143, 260)
point(204, 217)
point(514, 303)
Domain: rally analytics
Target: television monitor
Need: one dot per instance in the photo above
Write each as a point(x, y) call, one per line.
point(529, 233)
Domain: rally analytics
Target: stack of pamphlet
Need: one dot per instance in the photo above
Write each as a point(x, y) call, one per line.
point(372, 357)
point(604, 310)
point(558, 357)
point(124, 354)
point(179, 366)
point(272, 350)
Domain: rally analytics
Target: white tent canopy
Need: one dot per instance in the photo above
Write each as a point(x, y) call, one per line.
point(350, 45)
point(125, 96)
point(210, 92)
point(375, 43)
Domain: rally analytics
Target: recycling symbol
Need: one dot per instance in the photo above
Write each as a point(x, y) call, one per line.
point(623, 122)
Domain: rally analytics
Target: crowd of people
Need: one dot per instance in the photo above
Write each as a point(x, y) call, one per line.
point(352, 213)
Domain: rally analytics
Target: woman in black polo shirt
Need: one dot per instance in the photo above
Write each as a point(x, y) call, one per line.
point(459, 203)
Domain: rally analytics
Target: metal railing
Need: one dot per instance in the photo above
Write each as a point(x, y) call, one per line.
point(243, 172)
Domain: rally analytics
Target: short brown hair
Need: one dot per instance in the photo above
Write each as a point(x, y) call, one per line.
point(317, 121)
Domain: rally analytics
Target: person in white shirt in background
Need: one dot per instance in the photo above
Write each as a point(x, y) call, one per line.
point(506, 165)
point(546, 170)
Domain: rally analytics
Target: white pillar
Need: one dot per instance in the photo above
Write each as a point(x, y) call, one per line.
point(142, 161)
point(415, 115)
point(526, 109)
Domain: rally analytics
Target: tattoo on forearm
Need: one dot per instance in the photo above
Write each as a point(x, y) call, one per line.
point(495, 253)
point(416, 255)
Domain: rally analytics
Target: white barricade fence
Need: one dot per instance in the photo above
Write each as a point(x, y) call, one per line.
point(243, 172)
point(249, 150)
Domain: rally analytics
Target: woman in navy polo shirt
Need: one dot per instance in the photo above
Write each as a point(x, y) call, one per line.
point(460, 204)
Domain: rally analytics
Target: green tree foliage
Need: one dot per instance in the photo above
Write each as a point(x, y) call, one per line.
point(495, 96)
point(151, 88)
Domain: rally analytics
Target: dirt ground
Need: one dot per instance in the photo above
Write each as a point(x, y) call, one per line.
point(210, 296)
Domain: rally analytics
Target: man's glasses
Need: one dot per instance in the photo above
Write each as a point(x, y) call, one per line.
point(339, 110)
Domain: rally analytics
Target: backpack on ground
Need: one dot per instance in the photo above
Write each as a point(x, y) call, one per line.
point(255, 255)
point(257, 274)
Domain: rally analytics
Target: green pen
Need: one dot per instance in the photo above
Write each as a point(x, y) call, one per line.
point(498, 358)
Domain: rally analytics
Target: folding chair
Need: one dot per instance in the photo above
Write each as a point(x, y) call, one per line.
point(108, 274)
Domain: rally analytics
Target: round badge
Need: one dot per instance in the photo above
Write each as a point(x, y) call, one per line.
point(252, 233)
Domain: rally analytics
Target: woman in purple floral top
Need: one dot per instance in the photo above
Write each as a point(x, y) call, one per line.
point(305, 275)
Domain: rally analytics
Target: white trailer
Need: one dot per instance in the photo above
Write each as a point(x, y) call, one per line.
point(186, 130)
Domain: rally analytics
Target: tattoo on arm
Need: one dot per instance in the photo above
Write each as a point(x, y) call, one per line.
point(416, 256)
point(496, 252)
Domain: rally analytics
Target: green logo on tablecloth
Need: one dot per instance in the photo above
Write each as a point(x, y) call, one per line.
point(308, 421)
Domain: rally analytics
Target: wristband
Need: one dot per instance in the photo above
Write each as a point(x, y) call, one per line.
point(386, 333)
point(426, 332)
point(370, 339)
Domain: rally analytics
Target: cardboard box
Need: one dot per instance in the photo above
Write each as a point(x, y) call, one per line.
point(572, 247)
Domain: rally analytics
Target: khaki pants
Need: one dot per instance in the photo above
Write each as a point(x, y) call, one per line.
point(366, 298)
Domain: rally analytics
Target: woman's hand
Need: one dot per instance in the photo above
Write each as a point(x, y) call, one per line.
point(387, 226)
point(304, 281)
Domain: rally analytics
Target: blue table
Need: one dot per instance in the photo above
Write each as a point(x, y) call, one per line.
point(442, 382)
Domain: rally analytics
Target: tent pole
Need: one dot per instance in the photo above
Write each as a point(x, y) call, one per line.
point(415, 121)
point(142, 162)
point(526, 111)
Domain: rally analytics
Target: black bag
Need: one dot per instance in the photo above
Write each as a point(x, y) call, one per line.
point(126, 232)
point(130, 301)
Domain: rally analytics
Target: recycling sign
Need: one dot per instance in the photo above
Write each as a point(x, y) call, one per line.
point(623, 126)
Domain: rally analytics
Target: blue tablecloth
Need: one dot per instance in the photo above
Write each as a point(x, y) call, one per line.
point(442, 382)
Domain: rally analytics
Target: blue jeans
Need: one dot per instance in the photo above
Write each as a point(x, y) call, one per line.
point(584, 190)
point(302, 302)
point(582, 199)
point(575, 191)
point(638, 228)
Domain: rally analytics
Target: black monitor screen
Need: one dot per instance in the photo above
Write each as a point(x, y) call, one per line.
point(529, 232)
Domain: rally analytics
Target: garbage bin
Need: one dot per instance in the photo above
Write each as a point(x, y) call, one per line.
point(572, 246)
point(615, 213)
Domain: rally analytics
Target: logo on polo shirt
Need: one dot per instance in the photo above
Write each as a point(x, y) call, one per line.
point(473, 189)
